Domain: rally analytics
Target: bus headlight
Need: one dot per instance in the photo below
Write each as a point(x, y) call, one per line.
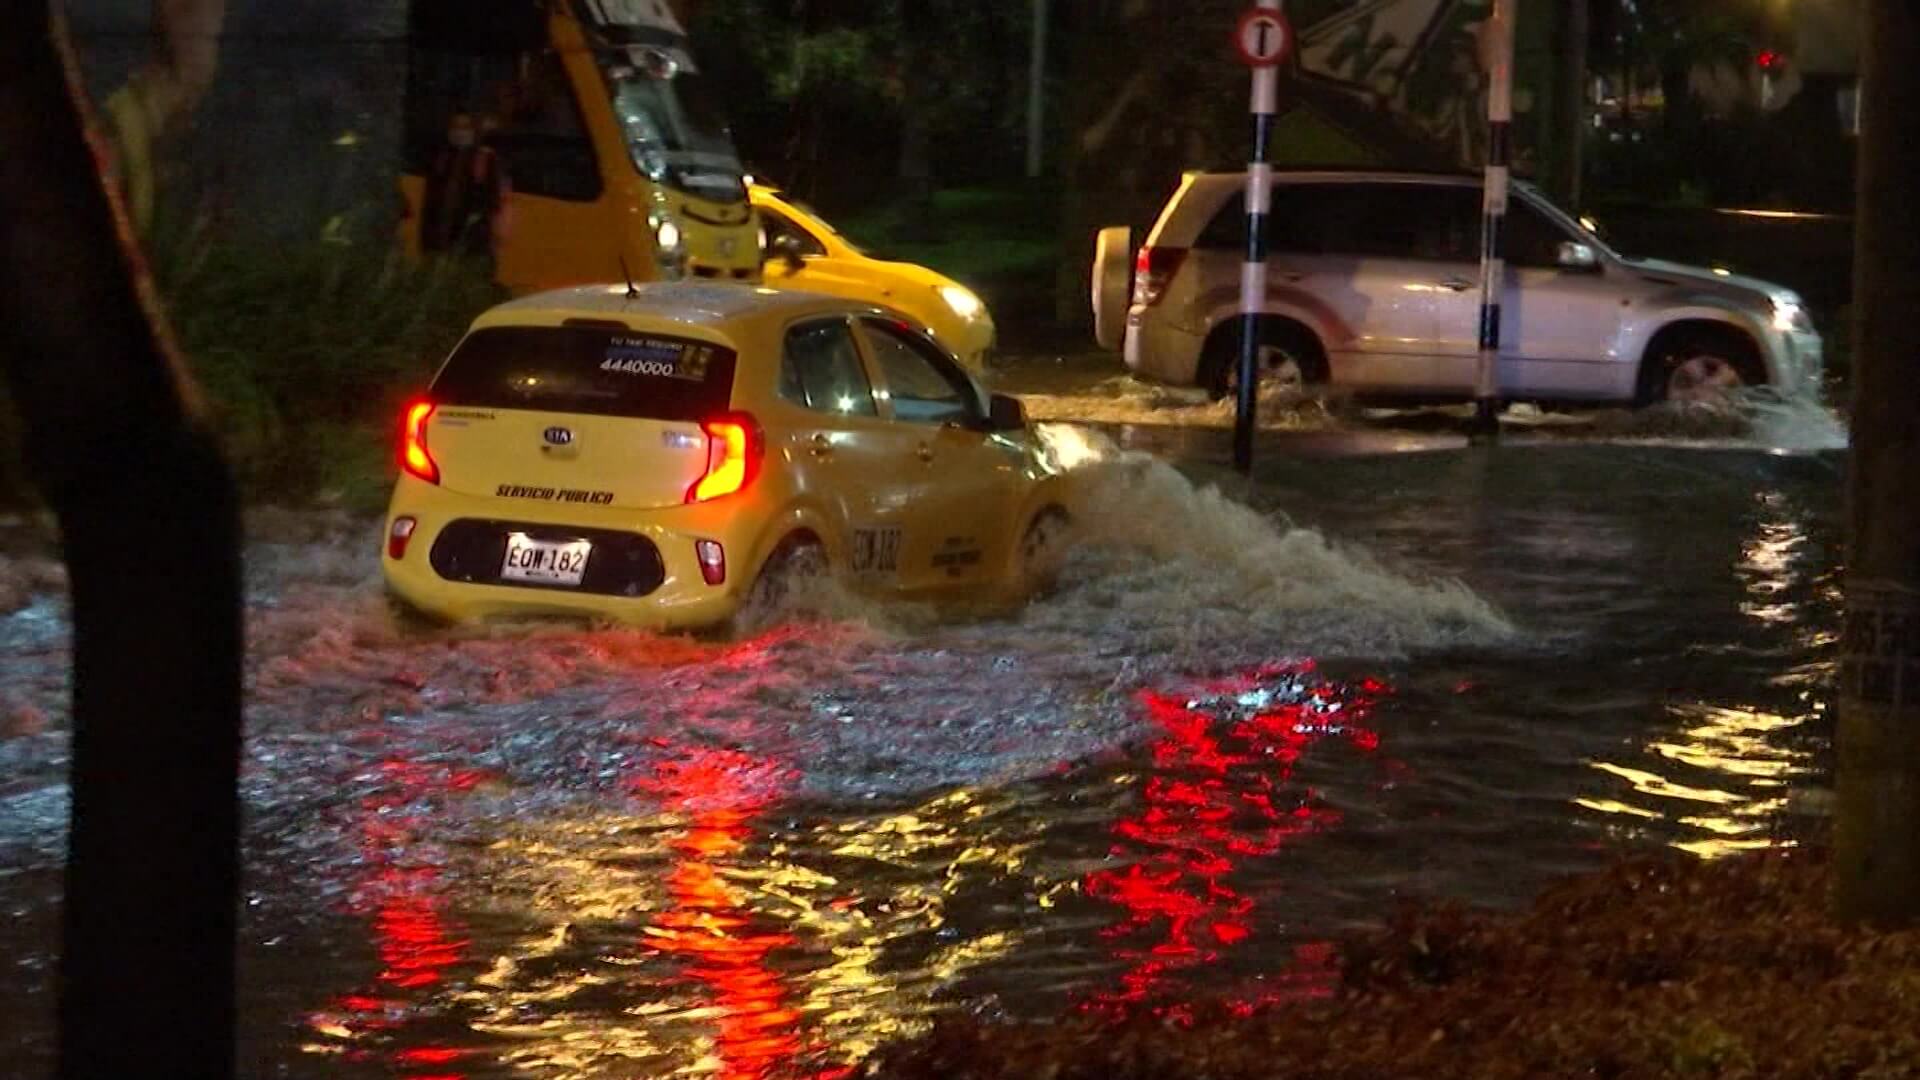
point(667, 234)
point(962, 301)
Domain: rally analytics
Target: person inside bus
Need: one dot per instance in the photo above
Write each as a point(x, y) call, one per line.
point(465, 211)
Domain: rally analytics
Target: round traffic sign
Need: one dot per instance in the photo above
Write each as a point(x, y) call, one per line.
point(1263, 38)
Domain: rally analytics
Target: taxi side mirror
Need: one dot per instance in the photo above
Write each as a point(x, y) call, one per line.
point(1005, 413)
point(786, 248)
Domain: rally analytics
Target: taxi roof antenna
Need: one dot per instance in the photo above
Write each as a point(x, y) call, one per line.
point(632, 292)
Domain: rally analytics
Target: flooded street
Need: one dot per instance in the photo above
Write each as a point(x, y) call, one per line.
point(1249, 719)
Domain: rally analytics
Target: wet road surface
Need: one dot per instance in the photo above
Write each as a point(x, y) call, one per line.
point(1251, 717)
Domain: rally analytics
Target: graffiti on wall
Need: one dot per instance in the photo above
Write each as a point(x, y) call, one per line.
point(271, 115)
point(1419, 64)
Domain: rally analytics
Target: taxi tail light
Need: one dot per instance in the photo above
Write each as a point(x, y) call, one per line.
point(735, 446)
point(713, 561)
point(1153, 271)
point(414, 456)
point(399, 536)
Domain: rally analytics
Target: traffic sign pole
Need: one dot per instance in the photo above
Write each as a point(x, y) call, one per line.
point(1493, 262)
point(1263, 40)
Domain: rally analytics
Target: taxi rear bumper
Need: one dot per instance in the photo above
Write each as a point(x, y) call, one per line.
point(644, 568)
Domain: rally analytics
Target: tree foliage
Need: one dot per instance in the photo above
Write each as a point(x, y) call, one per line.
point(824, 91)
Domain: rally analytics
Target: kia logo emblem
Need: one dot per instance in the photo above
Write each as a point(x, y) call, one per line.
point(559, 436)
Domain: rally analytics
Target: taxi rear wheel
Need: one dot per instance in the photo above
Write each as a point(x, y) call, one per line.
point(798, 559)
point(1042, 547)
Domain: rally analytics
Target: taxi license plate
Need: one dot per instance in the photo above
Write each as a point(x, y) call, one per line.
point(545, 562)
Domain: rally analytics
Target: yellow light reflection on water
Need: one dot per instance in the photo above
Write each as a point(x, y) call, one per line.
point(637, 977)
point(1723, 772)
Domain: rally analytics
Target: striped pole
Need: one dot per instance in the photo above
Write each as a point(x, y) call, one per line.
point(1253, 274)
point(1493, 230)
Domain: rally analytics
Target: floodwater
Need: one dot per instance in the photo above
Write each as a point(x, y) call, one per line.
point(1251, 718)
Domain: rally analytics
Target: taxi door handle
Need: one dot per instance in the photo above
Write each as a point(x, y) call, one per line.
point(1457, 284)
point(924, 452)
point(820, 446)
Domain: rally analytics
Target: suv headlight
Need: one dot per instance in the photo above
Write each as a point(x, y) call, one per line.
point(962, 301)
point(1790, 316)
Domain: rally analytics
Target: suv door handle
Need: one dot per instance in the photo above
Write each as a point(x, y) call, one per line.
point(820, 446)
point(1457, 284)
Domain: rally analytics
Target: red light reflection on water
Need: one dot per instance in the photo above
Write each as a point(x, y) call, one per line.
point(399, 891)
point(1217, 796)
point(709, 927)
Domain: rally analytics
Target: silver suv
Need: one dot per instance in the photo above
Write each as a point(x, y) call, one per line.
point(1374, 288)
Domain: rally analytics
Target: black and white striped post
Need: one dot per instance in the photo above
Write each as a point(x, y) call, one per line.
point(1493, 231)
point(1263, 40)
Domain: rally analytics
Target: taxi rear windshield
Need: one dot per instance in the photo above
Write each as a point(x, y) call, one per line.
point(582, 369)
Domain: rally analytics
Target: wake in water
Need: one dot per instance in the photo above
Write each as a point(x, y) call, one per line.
point(1759, 418)
point(1126, 400)
point(862, 698)
point(1186, 572)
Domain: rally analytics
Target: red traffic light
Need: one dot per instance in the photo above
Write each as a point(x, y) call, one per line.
point(1770, 61)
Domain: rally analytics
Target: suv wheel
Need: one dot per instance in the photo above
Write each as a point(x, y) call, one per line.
point(1288, 360)
point(1699, 367)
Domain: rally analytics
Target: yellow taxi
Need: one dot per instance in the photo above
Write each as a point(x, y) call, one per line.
point(804, 252)
point(663, 454)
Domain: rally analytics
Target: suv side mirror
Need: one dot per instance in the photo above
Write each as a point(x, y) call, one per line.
point(1005, 413)
point(1575, 256)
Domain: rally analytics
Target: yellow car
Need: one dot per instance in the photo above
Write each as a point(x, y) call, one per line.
point(663, 454)
point(804, 252)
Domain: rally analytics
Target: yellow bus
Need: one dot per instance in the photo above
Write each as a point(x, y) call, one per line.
point(569, 142)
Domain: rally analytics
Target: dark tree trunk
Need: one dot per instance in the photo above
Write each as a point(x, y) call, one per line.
point(1148, 92)
point(1569, 110)
point(150, 536)
point(1877, 829)
point(917, 101)
point(1676, 87)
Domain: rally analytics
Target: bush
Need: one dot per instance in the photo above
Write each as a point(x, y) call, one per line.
point(307, 352)
point(1656, 968)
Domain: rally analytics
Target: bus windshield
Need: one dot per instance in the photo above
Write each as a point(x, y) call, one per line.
point(675, 132)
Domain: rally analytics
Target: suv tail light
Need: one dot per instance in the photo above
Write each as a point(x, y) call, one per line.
point(414, 456)
point(734, 449)
point(1153, 271)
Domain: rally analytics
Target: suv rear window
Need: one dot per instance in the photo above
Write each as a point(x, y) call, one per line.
point(1381, 220)
point(588, 369)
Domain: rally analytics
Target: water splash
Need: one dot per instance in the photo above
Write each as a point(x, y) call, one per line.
point(1185, 571)
point(1126, 400)
point(1795, 423)
point(1758, 419)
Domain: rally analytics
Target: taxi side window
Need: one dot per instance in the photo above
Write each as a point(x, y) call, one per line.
point(821, 370)
point(925, 387)
point(780, 227)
